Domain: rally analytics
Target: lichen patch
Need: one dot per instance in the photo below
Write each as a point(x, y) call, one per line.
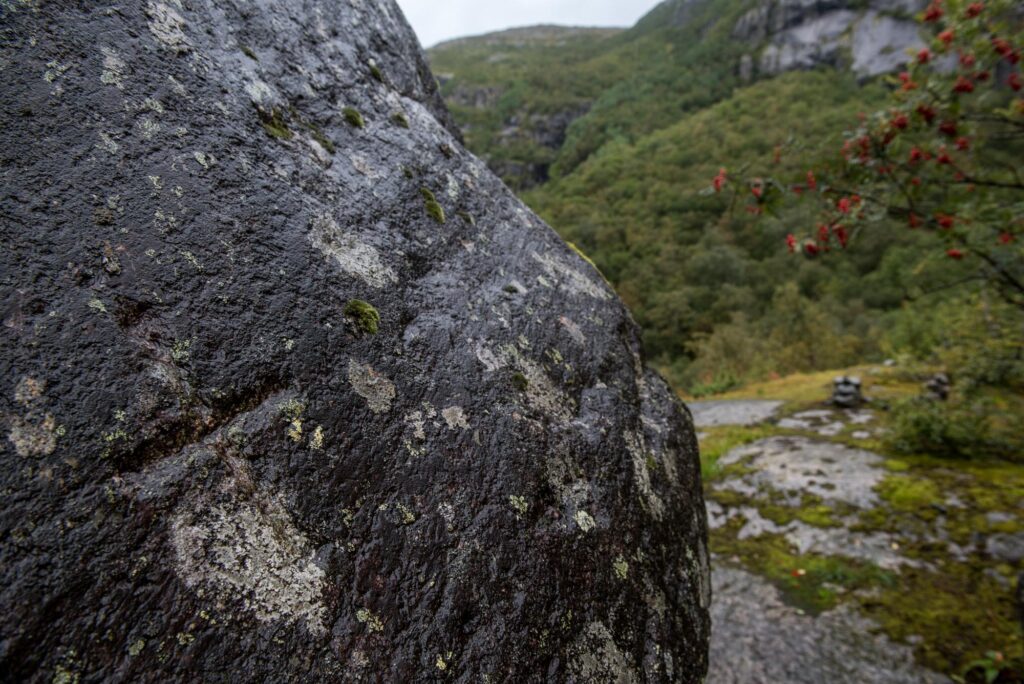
point(455, 417)
point(252, 554)
point(351, 254)
point(569, 278)
point(167, 26)
point(378, 391)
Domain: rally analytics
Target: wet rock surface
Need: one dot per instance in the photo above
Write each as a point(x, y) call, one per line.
point(213, 467)
point(758, 639)
point(732, 412)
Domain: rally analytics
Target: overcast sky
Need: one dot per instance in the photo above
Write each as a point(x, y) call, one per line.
point(437, 20)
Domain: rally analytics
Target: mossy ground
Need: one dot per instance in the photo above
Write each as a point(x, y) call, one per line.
point(953, 610)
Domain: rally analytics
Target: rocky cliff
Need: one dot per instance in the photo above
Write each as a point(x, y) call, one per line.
point(294, 389)
point(870, 38)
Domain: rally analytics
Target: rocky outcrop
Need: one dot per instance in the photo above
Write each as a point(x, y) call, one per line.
point(801, 34)
point(294, 389)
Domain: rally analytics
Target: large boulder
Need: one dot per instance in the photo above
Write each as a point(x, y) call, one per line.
point(294, 389)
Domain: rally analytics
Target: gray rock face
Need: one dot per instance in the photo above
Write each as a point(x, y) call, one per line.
point(214, 470)
point(802, 34)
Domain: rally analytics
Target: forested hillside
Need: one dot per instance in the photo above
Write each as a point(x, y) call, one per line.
point(655, 111)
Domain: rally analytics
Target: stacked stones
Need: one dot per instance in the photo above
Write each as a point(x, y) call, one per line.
point(847, 392)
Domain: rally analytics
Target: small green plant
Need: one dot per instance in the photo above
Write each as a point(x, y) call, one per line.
point(376, 72)
point(248, 52)
point(364, 314)
point(433, 207)
point(353, 117)
point(520, 382)
point(993, 668)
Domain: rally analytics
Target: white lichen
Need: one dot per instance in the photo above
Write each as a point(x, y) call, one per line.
point(251, 554)
point(569, 278)
point(455, 417)
point(351, 254)
point(167, 26)
point(376, 389)
point(584, 521)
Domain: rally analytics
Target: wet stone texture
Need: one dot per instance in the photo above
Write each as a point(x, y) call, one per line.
point(214, 470)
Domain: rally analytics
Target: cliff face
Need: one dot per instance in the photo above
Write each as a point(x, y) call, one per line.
point(294, 389)
point(869, 38)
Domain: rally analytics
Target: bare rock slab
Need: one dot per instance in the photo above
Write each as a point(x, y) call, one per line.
point(732, 412)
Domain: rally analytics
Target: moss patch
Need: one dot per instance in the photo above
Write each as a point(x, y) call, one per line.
point(376, 72)
point(434, 209)
point(811, 582)
point(364, 315)
point(400, 119)
point(274, 124)
point(248, 52)
point(353, 117)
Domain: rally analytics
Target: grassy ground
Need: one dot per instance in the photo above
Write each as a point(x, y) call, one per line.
point(955, 611)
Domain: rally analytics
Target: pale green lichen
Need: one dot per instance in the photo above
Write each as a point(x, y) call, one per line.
point(316, 440)
point(585, 521)
point(408, 517)
point(365, 316)
point(181, 351)
point(519, 504)
point(621, 568)
point(136, 647)
point(372, 622)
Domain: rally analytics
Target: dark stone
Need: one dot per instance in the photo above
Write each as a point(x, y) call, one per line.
point(211, 473)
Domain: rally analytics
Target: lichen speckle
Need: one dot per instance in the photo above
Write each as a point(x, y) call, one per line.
point(364, 315)
point(316, 440)
point(167, 26)
point(519, 504)
point(378, 391)
point(621, 568)
point(455, 417)
point(569, 278)
point(372, 622)
point(35, 432)
point(584, 521)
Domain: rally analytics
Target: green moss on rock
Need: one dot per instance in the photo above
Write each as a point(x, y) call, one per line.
point(400, 119)
point(353, 117)
point(364, 314)
point(434, 209)
point(274, 124)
